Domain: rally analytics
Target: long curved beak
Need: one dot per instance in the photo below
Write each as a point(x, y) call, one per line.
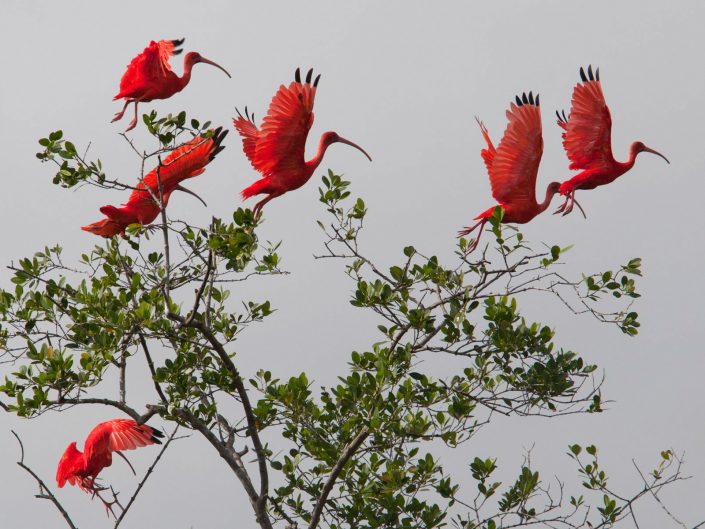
point(203, 59)
point(646, 149)
point(348, 142)
point(182, 188)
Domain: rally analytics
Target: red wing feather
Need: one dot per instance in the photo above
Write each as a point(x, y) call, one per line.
point(587, 136)
point(105, 228)
point(249, 133)
point(187, 161)
point(515, 163)
point(150, 66)
point(282, 136)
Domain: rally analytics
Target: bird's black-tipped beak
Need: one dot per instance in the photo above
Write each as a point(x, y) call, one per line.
point(182, 188)
point(348, 142)
point(207, 61)
point(647, 149)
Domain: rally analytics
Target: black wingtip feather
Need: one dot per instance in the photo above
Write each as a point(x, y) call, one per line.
point(315, 83)
point(178, 42)
point(537, 101)
point(582, 75)
point(590, 75)
point(308, 76)
point(597, 74)
point(518, 101)
point(297, 75)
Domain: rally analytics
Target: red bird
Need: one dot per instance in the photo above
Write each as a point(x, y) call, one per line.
point(513, 167)
point(82, 469)
point(587, 141)
point(277, 149)
point(149, 75)
point(187, 161)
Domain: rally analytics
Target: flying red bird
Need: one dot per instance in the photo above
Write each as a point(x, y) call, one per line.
point(513, 167)
point(587, 140)
point(187, 161)
point(149, 75)
point(116, 435)
point(277, 149)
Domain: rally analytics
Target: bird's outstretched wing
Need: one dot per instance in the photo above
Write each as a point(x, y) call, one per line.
point(71, 462)
point(282, 136)
point(150, 66)
point(587, 138)
point(187, 161)
point(249, 132)
point(515, 163)
point(119, 434)
point(105, 228)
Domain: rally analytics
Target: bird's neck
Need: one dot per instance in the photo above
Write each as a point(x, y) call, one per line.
point(314, 162)
point(547, 199)
point(186, 77)
point(623, 167)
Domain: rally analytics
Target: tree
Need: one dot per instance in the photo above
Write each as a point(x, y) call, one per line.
point(366, 452)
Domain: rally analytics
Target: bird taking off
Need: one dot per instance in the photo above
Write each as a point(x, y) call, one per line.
point(82, 468)
point(277, 148)
point(513, 167)
point(587, 140)
point(149, 75)
point(142, 207)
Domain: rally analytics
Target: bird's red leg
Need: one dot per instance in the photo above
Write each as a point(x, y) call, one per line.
point(258, 207)
point(122, 112)
point(133, 123)
point(469, 230)
point(565, 208)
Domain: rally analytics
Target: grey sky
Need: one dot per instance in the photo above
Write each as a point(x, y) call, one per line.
point(404, 80)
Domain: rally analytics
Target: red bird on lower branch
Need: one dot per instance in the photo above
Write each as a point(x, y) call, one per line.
point(277, 148)
point(187, 161)
point(587, 140)
point(513, 167)
point(149, 75)
point(82, 468)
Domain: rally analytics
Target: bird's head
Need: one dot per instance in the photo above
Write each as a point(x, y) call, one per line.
point(331, 137)
point(638, 147)
point(194, 57)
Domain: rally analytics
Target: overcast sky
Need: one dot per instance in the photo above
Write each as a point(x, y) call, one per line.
point(404, 80)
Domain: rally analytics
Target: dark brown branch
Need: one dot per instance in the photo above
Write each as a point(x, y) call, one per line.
point(345, 456)
point(45, 493)
point(242, 392)
point(153, 372)
point(234, 461)
point(152, 410)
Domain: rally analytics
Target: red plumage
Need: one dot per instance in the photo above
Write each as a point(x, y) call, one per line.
point(149, 75)
point(142, 207)
point(277, 148)
point(82, 468)
point(513, 167)
point(587, 140)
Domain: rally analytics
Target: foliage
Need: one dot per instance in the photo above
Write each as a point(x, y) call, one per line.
point(454, 349)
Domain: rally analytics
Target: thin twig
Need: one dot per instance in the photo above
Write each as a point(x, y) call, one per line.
point(44, 492)
point(345, 456)
point(146, 476)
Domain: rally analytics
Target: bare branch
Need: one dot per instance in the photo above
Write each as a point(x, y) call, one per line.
point(44, 492)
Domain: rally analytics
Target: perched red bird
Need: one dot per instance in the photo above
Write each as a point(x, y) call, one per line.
point(187, 161)
point(277, 149)
point(587, 140)
point(116, 435)
point(149, 75)
point(513, 167)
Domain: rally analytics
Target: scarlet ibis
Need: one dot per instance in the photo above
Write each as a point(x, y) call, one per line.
point(187, 161)
point(116, 435)
point(149, 75)
point(277, 149)
point(513, 166)
point(587, 140)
